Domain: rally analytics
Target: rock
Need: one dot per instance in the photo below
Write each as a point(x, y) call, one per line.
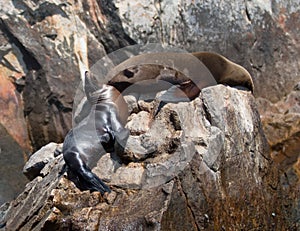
point(46, 44)
point(262, 36)
point(39, 190)
point(39, 159)
point(132, 103)
point(281, 125)
point(12, 181)
point(137, 129)
point(12, 73)
point(179, 187)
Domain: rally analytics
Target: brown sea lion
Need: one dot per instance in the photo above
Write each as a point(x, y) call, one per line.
point(194, 71)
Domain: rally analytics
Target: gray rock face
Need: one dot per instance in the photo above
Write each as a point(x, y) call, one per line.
point(262, 36)
point(210, 171)
point(12, 181)
point(39, 159)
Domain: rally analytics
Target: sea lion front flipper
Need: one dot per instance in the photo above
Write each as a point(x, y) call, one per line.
point(93, 182)
point(85, 178)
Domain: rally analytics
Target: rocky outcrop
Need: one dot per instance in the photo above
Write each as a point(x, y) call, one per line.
point(42, 43)
point(262, 36)
point(12, 179)
point(281, 122)
point(197, 177)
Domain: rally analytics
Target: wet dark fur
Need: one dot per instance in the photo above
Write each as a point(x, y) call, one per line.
point(95, 134)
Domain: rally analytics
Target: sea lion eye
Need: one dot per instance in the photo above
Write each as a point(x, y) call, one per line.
point(128, 73)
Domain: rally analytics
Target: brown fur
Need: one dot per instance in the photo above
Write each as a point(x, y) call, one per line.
point(190, 75)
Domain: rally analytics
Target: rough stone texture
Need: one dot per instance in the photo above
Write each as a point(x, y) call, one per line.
point(14, 143)
point(39, 159)
point(12, 82)
point(205, 192)
point(12, 181)
point(281, 123)
point(262, 36)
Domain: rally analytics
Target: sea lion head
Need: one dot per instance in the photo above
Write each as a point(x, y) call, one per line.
point(225, 71)
point(104, 93)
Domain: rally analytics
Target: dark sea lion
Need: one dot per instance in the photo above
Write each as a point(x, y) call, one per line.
point(95, 134)
point(194, 71)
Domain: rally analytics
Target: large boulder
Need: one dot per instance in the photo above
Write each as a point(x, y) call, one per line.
point(211, 171)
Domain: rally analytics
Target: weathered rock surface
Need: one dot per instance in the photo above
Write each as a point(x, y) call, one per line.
point(14, 142)
point(11, 104)
point(39, 159)
point(12, 180)
point(217, 175)
point(41, 42)
point(262, 36)
point(281, 123)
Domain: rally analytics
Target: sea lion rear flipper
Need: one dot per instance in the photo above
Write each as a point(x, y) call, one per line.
point(93, 182)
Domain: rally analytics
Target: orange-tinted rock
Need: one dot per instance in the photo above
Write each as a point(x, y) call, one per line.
point(11, 104)
point(281, 123)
